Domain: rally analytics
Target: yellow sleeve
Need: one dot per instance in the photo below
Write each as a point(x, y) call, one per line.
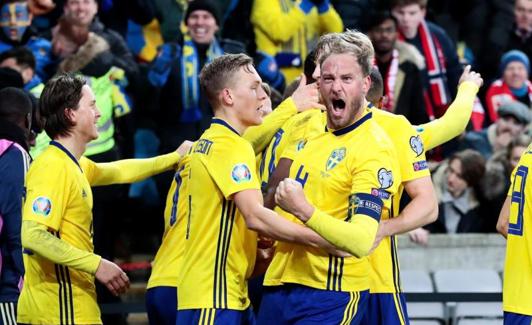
point(48, 192)
point(232, 166)
point(355, 237)
point(454, 121)
point(409, 147)
point(330, 21)
point(127, 170)
point(271, 20)
point(260, 136)
point(37, 239)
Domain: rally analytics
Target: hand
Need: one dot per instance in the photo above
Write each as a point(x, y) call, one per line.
point(419, 236)
point(291, 198)
point(472, 76)
point(307, 97)
point(184, 147)
point(381, 234)
point(112, 277)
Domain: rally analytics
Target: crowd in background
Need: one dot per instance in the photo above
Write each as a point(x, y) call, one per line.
point(142, 59)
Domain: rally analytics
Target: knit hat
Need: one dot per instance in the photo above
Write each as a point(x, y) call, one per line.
point(514, 55)
point(518, 110)
point(207, 5)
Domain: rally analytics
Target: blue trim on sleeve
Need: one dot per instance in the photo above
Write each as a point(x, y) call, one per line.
point(306, 6)
point(368, 205)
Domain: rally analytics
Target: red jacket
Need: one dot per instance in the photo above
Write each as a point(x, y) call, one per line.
point(498, 93)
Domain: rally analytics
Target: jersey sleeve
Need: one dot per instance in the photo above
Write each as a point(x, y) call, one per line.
point(411, 152)
point(48, 192)
point(233, 167)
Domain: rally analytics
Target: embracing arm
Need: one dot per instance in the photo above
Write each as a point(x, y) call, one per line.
point(504, 218)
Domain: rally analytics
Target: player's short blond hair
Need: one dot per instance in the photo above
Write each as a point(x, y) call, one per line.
point(219, 74)
point(349, 42)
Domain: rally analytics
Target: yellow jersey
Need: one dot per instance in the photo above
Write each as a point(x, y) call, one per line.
point(384, 260)
point(517, 291)
point(338, 171)
point(166, 262)
point(220, 250)
point(59, 196)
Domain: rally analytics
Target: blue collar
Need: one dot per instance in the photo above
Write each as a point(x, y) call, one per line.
point(351, 127)
point(216, 120)
point(65, 150)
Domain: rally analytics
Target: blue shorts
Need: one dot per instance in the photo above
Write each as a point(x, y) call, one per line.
point(296, 304)
point(211, 316)
point(516, 319)
point(386, 309)
point(161, 305)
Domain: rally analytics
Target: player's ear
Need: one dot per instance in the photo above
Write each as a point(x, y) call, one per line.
point(366, 84)
point(227, 97)
point(70, 114)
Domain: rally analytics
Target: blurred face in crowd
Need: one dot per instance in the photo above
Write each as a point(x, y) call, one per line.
point(383, 36)
point(456, 185)
point(201, 26)
point(80, 12)
point(515, 155)
point(248, 96)
point(523, 14)
point(515, 74)
point(343, 89)
point(509, 124)
point(25, 71)
point(15, 19)
point(409, 17)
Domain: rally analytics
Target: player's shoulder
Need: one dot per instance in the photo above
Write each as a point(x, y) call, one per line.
point(395, 120)
point(303, 118)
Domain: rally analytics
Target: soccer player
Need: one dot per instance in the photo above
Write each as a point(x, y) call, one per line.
point(514, 224)
point(57, 218)
point(221, 242)
point(386, 303)
point(340, 182)
point(15, 120)
point(161, 296)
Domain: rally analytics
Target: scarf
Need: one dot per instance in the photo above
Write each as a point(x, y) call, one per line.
point(435, 62)
point(389, 81)
point(190, 68)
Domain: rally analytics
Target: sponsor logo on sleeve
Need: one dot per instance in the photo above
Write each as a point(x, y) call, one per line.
point(420, 165)
point(382, 194)
point(241, 173)
point(42, 206)
point(417, 145)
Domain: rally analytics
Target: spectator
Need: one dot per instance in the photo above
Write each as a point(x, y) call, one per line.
point(21, 59)
point(15, 21)
point(496, 181)
point(400, 65)
point(513, 86)
point(184, 112)
point(287, 30)
point(457, 184)
point(15, 117)
point(442, 67)
point(513, 120)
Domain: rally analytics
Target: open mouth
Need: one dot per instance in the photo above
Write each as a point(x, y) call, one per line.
point(338, 104)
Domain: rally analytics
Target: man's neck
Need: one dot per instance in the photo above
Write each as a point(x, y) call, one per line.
point(384, 57)
point(73, 145)
point(231, 120)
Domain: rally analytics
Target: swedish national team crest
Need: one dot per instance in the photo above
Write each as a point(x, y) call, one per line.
point(241, 173)
point(335, 158)
point(42, 205)
point(385, 178)
point(417, 145)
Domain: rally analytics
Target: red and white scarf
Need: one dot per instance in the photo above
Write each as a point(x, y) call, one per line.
point(389, 82)
point(436, 69)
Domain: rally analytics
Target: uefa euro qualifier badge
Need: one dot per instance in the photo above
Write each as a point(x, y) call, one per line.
point(417, 145)
point(42, 206)
point(241, 173)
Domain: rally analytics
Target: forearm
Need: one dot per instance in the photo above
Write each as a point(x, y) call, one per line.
point(504, 218)
point(455, 119)
point(132, 170)
point(355, 237)
point(37, 239)
point(417, 213)
point(260, 136)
